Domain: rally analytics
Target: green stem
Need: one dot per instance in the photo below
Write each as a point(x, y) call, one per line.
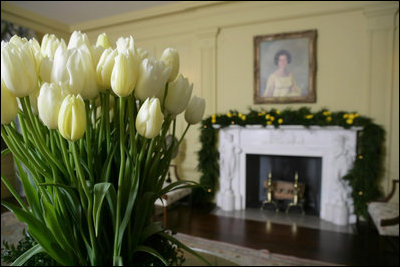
point(65, 156)
point(165, 97)
point(37, 138)
point(89, 210)
point(184, 133)
point(117, 247)
point(107, 121)
point(89, 141)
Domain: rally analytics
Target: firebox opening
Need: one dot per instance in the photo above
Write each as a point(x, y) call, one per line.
point(283, 168)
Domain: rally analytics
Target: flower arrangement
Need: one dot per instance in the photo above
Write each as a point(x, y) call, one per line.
point(90, 144)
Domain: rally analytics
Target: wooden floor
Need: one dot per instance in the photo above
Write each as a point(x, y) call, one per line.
point(365, 247)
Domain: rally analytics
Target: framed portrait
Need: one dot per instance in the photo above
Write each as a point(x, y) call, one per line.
point(284, 67)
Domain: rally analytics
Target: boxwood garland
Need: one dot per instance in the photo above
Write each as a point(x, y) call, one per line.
point(363, 177)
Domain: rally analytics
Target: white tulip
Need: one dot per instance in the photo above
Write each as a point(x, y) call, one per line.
point(105, 67)
point(74, 67)
point(125, 45)
point(195, 110)
point(18, 68)
point(49, 103)
point(103, 41)
point(18, 41)
point(50, 44)
point(124, 74)
point(170, 57)
point(149, 119)
point(178, 96)
point(72, 118)
point(153, 76)
point(9, 105)
point(79, 39)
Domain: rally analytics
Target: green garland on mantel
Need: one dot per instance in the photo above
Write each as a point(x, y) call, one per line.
point(363, 177)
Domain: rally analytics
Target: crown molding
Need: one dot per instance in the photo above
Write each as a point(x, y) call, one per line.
point(32, 20)
point(140, 15)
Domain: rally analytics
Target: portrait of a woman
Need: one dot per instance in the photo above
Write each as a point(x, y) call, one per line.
point(284, 67)
point(281, 82)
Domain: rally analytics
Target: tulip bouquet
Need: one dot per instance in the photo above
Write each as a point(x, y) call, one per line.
point(90, 145)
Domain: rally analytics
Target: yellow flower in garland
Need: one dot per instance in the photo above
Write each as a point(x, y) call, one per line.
point(345, 116)
point(278, 112)
point(272, 118)
point(267, 116)
point(269, 122)
point(326, 113)
point(349, 121)
point(309, 117)
point(280, 120)
point(213, 118)
point(329, 119)
point(229, 114)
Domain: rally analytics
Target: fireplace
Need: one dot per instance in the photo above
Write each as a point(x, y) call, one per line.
point(334, 147)
point(283, 168)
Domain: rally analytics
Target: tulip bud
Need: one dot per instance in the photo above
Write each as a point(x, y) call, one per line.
point(18, 68)
point(124, 74)
point(74, 67)
point(105, 68)
point(195, 110)
point(125, 45)
point(103, 41)
point(170, 57)
point(50, 44)
point(149, 118)
point(179, 92)
point(49, 103)
point(78, 39)
point(153, 76)
point(9, 106)
point(72, 118)
point(18, 41)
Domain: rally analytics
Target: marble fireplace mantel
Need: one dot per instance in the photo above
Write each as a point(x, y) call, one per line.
point(335, 145)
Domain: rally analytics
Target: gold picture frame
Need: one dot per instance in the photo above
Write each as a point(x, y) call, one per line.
point(285, 67)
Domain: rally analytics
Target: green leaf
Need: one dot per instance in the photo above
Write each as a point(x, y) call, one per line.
point(56, 227)
point(180, 244)
point(27, 255)
point(152, 252)
point(30, 190)
point(105, 172)
point(100, 191)
point(41, 233)
point(117, 261)
point(129, 206)
point(112, 203)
